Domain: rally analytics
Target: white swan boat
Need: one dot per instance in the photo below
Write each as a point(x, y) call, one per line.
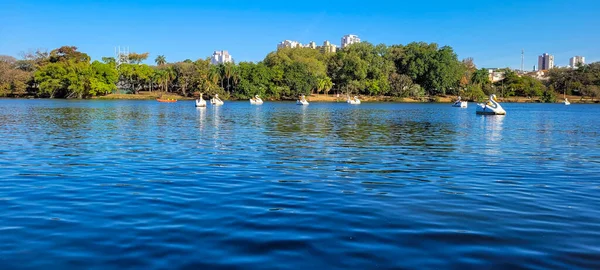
point(256, 100)
point(354, 100)
point(567, 102)
point(216, 101)
point(459, 103)
point(492, 107)
point(302, 101)
point(200, 102)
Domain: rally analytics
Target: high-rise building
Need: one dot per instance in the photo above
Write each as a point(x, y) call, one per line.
point(576, 60)
point(349, 39)
point(221, 57)
point(328, 47)
point(545, 61)
point(311, 45)
point(289, 44)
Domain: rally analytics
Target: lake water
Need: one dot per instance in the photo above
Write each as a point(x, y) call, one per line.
point(146, 185)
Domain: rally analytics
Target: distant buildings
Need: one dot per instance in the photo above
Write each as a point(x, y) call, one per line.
point(541, 75)
point(495, 75)
point(311, 45)
point(289, 44)
point(220, 57)
point(576, 60)
point(545, 61)
point(349, 39)
point(328, 47)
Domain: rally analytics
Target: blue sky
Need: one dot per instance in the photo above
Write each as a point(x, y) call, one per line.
point(492, 32)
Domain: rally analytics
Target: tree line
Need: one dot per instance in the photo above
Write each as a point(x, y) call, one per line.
point(416, 70)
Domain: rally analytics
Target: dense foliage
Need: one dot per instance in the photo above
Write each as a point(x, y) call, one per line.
point(584, 80)
point(414, 70)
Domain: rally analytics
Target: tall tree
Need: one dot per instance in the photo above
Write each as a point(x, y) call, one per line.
point(137, 58)
point(160, 60)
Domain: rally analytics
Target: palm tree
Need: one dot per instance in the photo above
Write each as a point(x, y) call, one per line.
point(327, 85)
point(228, 74)
point(160, 60)
point(170, 76)
point(214, 76)
point(320, 85)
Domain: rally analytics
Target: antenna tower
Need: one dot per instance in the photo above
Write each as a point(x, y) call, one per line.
point(522, 61)
point(121, 55)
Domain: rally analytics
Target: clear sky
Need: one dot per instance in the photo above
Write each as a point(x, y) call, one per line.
point(492, 32)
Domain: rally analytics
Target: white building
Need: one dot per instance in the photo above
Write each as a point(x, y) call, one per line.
point(328, 47)
point(545, 61)
point(221, 57)
point(289, 44)
point(349, 39)
point(495, 75)
point(311, 45)
point(576, 60)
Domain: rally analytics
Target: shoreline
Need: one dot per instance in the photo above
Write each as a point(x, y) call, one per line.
point(332, 99)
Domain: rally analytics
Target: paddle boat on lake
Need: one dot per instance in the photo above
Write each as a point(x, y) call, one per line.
point(200, 102)
point(167, 100)
point(459, 103)
point(354, 101)
point(302, 101)
point(256, 100)
point(492, 107)
point(216, 101)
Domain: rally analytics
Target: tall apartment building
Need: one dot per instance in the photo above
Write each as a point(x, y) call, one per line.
point(349, 39)
point(545, 61)
point(328, 47)
point(576, 60)
point(289, 44)
point(220, 57)
point(311, 45)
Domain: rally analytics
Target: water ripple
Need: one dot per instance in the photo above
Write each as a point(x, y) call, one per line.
point(143, 185)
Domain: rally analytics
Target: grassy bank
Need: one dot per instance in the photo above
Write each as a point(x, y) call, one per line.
point(143, 96)
point(341, 98)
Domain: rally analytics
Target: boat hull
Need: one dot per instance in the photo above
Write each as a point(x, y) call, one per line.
point(490, 113)
point(299, 102)
point(486, 110)
point(166, 100)
point(461, 104)
point(216, 102)
point(201, 103)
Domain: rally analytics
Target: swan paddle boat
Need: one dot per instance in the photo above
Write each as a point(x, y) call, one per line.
point(302, 101)
point(354, 100)
point(492, 107)
point(459, 103)
point(567, 102)
point(256, 100)
point(216, 101)
point(200, 102)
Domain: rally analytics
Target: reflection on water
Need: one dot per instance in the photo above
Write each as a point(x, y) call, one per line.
point(492, 128)
point(201, 117)
point(136, 184)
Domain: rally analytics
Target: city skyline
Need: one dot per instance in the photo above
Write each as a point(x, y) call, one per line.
point(249, 32)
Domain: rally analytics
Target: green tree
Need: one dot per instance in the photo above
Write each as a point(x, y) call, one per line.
point(137, 58)
point(184, 76)
point(480, 77)
point(104, 78)
point(160, 60)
